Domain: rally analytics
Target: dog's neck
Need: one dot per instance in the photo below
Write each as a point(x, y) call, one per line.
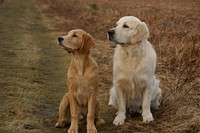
point(79, 61)
point(133, 49)
point(133, 45)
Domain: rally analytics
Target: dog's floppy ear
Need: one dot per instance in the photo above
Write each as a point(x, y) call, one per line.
point(87, 43)
point(142, 32)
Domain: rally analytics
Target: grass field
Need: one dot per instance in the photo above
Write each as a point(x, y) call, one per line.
point(33, 68)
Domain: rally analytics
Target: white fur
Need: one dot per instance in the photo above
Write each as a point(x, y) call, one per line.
point(134, 83)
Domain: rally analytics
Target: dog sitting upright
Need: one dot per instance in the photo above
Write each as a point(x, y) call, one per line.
point(135, 86)
point(82, 82)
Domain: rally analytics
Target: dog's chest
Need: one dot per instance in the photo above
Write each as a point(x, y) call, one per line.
point(82, 92)
point(127, 61)
point(82, 96)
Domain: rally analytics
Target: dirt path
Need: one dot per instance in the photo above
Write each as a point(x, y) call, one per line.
point(31, 69)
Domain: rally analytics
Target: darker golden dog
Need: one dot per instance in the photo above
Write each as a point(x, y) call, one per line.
point(82, 82)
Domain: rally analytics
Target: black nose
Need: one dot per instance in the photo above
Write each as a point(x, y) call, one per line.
point(60, 39)
point(111, 32)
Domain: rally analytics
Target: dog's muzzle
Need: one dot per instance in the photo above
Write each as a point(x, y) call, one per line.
point(60, 40)
point(111, 33)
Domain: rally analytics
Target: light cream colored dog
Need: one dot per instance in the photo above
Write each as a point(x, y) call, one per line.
point(82, 82)
point(135, 86)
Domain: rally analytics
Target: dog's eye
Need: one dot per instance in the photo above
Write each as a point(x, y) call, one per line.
point(75, 35)
point(125, 26)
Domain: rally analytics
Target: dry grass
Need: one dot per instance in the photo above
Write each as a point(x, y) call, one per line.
point(174, 32)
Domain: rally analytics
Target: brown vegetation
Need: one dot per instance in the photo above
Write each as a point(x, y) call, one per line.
point(175, 33)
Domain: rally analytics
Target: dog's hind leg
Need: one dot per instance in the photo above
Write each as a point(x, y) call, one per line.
point(156, 97)
point(63, 111)
point(113, 98)
point(98, 119)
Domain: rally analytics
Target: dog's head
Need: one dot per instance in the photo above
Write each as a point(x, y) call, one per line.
point(129, 30)
point(76, 41)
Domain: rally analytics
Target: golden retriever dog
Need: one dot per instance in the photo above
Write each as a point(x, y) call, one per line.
point(135, 87)
point(82, 83)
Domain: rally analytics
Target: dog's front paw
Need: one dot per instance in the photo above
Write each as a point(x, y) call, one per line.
point(119, 119)
point(147, 118)
point(92, 130)
point(72, 130)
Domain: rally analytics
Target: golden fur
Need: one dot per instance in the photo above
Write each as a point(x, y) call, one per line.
point(82, 82)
